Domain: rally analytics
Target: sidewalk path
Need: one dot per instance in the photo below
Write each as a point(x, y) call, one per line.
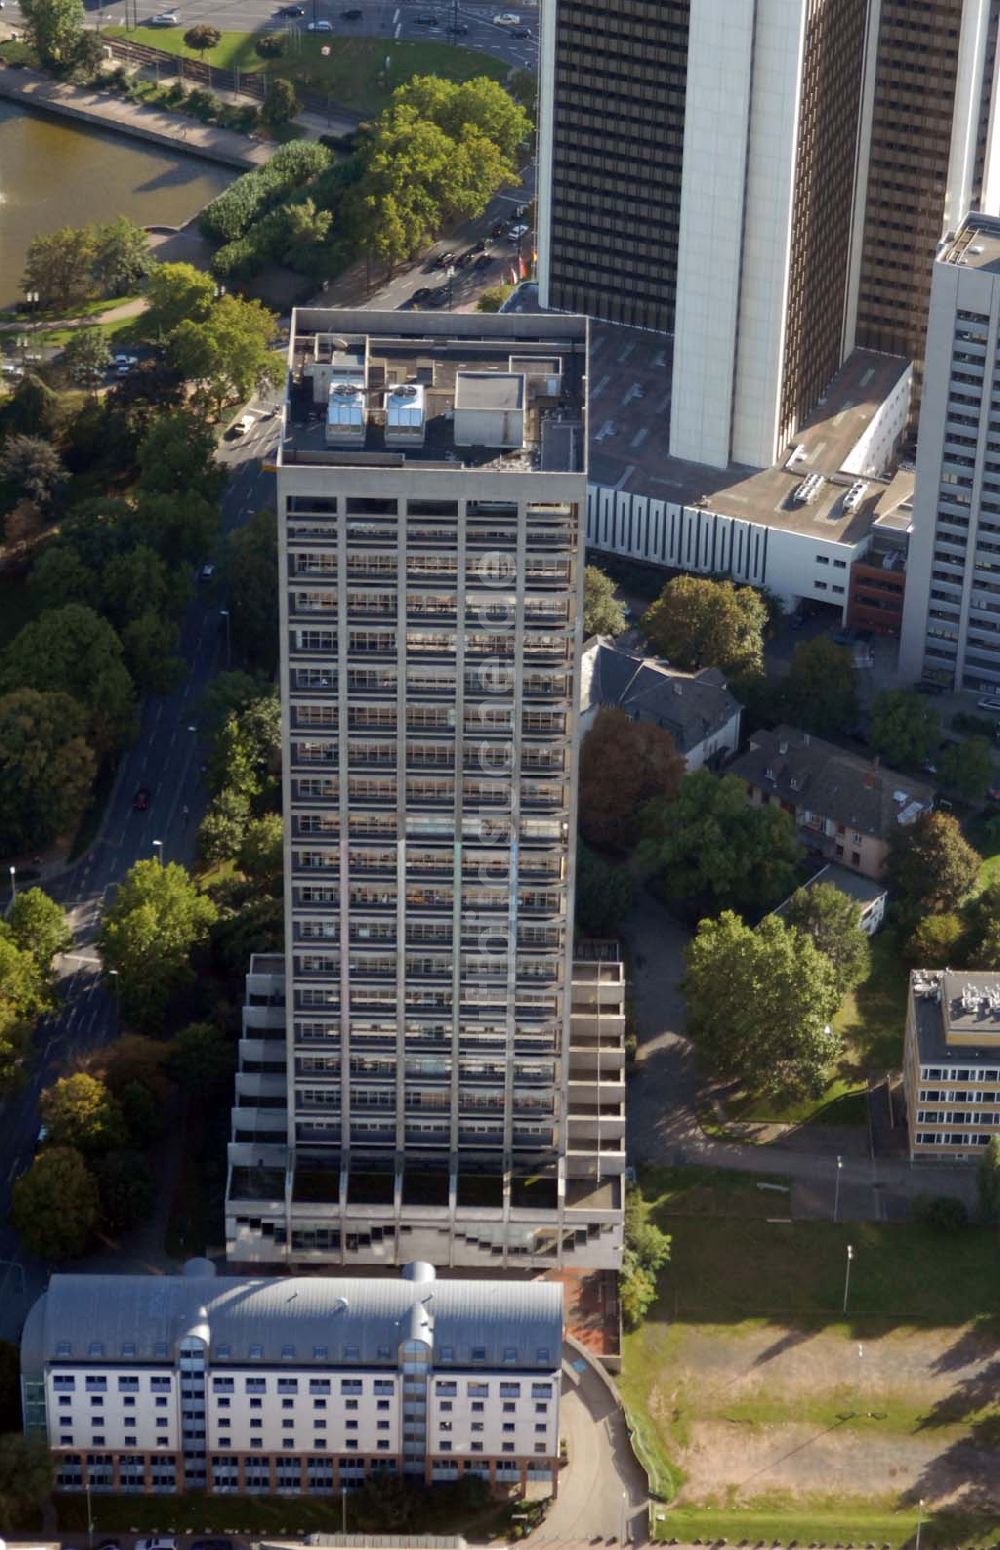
point(172, 131)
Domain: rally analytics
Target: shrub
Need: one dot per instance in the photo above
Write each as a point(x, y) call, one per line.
point(942, 1213)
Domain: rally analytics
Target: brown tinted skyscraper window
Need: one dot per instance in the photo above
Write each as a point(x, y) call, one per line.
point(617, 148)
point(915, 87)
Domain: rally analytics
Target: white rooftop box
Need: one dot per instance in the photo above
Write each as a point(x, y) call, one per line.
point(405, 415)
point(346, 415)
point(489, 409)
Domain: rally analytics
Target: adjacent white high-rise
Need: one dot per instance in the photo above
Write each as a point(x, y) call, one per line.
point(453, 1080)
point(951, 611)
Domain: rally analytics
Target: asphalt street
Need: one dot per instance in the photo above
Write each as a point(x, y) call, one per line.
point(166, 758)
point(389, 19)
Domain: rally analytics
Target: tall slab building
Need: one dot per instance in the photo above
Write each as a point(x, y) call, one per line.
point(444, 1081)
point(797, 165)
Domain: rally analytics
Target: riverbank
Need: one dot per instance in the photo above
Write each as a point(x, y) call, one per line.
point(168, 131)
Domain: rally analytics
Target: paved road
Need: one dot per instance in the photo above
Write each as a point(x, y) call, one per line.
point(389, 19)
point(166, 757)
point(602, 1490)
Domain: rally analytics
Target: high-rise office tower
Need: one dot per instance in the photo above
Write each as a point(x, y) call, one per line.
point(930, 156)
point(613, 80)
point(951, 611)
point(800, 162)
point(453, 1084)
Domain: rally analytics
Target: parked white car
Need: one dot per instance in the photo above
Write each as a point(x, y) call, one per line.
point(165, 19)
point(506, 19)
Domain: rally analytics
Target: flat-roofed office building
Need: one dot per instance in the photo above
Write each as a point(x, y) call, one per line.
point(453, 1083)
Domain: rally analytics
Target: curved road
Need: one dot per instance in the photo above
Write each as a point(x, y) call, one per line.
point(166, 757)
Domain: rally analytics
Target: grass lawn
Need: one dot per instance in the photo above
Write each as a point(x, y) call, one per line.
point(827, 1525)
point(746, 1369)
point(353, 72)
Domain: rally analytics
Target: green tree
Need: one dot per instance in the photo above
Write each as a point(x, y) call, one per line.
point(623, 765)
point(228, 356)
point(54, 1205)
point(603, 614)
point(254, 924)
point(47, 768)
point(930, 866)
point(38, 925)
point(820, 689)
point(647, 1250)
point(201, 1060)
point(33, 409)
point(59, 575)
point(181, 528)
point(759, 1005)
point(138, 581)
point(246, 753)
point(73, 651)
point(149, 642)
point(177, 454)
point(176, 293)
point(156, 917)
point(26, 1478)
point(59, 263)
point(936, 942)
point(696, 623)
point(80, 1112)
point(24, 993)
point(605, 893)
point(261, 852)
point(86, 356)
point(988, 1180)
point(280, 102)
point(126, 1190)
point(224, 825)
point(250, 565)
point(904, 727)
point(120, 256)
point(307, 227)
point(715, 850)
point(493, 297)
point(228, 692)
point(981, 915)
point(270, 45)
point(201, 38)
point(969, 767)
point(481, 104)
point(831, 919)
point(34, 467)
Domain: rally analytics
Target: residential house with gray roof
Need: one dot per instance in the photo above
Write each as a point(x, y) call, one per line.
point(699, 710)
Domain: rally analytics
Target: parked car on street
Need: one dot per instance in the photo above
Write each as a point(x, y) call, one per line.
point(320, 27)
point(165, 19)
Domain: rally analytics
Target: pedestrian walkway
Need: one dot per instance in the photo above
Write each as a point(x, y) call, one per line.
point(172, 131)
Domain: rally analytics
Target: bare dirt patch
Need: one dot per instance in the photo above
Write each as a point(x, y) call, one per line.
point(767, 1409)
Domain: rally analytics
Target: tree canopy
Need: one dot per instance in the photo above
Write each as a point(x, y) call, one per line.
point(47, 766)
point(201, 1060)
point(228, 355)
point(759, 1005)
point(830, 919)
point(38, 925)
point(820, 690)
point(603, 614)
point(54, 1206)
point(200, 38)
point(930, 865)
point(715, 850)
point(33, 466)
point(26, 1476)
point(250, 564)
point(24, 993)
point(86, 356)
point(73, 651)
point(903, 727)
point(696, 622)
point(968, 767)
point(156, 917)
point(175, 293)
point(605, 893)
point(80, 1112)
point(623, 765)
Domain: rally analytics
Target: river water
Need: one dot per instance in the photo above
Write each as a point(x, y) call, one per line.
point(53, 173)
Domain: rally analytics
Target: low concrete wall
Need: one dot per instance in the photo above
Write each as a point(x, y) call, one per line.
point(169, 131)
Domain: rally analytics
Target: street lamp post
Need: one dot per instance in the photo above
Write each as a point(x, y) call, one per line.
point(343, 1509)
point(224, 613)
point(836, 1192)
point(13, 884)
point(158, 847)
point(920, 1522)
point(624, 1534)
point(847, 1276)
point(90, 1518)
